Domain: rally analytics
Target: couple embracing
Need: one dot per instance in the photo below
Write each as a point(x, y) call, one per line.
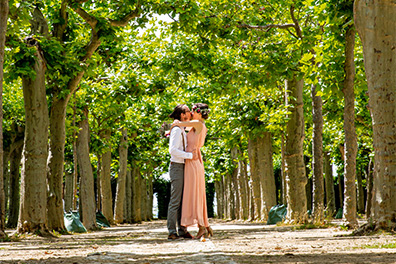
point(187, 205)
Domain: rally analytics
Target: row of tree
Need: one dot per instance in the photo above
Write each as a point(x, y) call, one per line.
point(99, 80)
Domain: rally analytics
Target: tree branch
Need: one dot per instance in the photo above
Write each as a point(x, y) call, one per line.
point(92, 21)
point(291, 33)
point(95, 41)
point(266, 27)
point(296, 25)
point(59, 28)
point(124, 21)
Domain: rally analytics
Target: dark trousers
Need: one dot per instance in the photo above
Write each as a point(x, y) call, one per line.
point(176, 173)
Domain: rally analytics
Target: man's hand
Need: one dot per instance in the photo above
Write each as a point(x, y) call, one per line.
point(195, 154)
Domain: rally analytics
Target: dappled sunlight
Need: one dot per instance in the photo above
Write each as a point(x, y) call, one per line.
point(233, 242)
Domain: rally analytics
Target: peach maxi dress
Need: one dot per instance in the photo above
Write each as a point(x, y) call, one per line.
point(194, 209)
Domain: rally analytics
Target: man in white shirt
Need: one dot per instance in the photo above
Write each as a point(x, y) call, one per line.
point(177, 147)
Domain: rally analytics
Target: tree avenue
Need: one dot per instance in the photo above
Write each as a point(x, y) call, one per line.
point(88, 87)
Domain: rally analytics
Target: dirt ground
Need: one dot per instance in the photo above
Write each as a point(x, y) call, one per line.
point(233, 242)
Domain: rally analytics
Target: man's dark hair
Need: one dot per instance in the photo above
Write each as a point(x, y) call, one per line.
point(179, 109)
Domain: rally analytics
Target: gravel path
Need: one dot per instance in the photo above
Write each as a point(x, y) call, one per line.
point(234, 242)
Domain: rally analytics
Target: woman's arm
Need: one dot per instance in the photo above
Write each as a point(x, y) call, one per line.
point(194, 123)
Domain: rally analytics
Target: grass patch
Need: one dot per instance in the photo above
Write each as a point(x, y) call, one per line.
point(308, 226)
point(390, 245)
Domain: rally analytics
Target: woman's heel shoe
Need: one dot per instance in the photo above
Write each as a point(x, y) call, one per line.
point(201, 232)
point(209, 231)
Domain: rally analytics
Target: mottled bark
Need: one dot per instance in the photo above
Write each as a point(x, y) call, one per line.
point(150, 197)
point(87, 194)
point(55, 164)
point(6, 178)
point(3, 29)
point(360, 192)
point(255, 177)
point(235, 185)
point(15, 156)
point(128, 196)
point(68, 191)
point(33, 206)
point(283, 171)
point(120, 194)
point(294, 155)
point(317, 157)
point(230, 204)
point(243, 187)
point(261, 168)
point(375, 24)
point(143, 200)
point(136, 194)
point(369, 186)
point(329, 181)
point(75, 159)
point(349, 210)
point(98, 181)
point(105, 180)
point(268, 187)
point(15, 176)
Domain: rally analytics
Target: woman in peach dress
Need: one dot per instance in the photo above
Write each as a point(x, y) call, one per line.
point(194, 210)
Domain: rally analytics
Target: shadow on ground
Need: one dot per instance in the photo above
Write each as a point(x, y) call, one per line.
point(218, 258)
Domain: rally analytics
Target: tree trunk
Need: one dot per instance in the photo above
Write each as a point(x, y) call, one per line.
point(260, 157)
point(87, 194)
point(341, 190)
point(329, 181)
point(3, 30)
point(360, 192)
point(68, 191)
point(255, 177)
point(317, 158)
point(75, 160)
point(235, 183)
point(266, 169)
point(17, 139)
point(143, 201)
point(308, 192)
point(105, 177)
point(6, 179)
point(283, 171)
point(55, 164)
point(375, 24)
point(33, 207)
point(150, 197)
point(294, 155)
point(244, 187)
point(120, 194)
point(232, 195)
point(15, 164)
point(136, 194)
point(369, 187)
point(98, 181)
point(228, 206)
point(349, 211)
point(128, 196)
point(219, 199)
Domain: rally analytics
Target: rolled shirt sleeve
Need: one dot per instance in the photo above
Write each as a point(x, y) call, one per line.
point(176, 146)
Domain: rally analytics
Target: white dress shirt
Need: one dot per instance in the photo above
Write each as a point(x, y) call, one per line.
point(176, 148)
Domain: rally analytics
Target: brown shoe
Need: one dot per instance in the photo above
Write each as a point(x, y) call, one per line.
point(187, 236)
point(173, 237)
